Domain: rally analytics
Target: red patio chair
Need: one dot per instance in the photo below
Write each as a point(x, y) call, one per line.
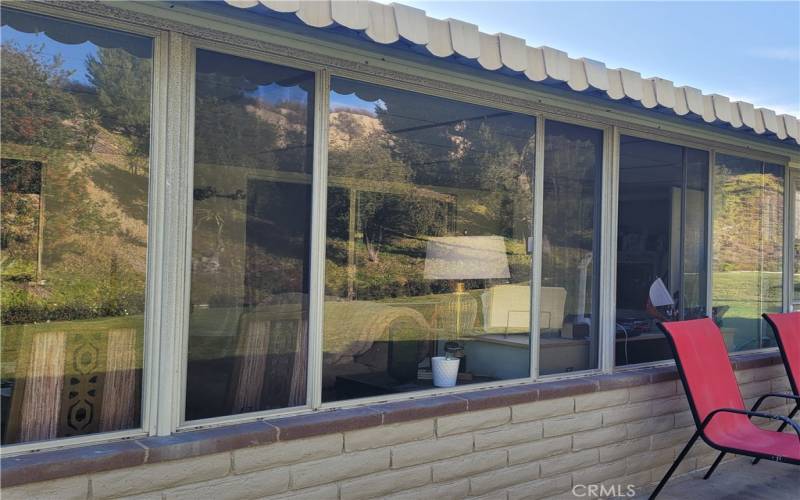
point(786, 327)
point(716, 402)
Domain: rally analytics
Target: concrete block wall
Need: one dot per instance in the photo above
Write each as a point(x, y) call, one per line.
point(539, 449)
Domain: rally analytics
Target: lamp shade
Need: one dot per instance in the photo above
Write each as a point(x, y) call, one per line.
point(466, 257)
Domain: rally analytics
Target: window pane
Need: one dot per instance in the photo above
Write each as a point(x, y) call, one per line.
point(75, 168)
point(570, 248)
point(429, 214)
point(694, 296)
point(248, 325)
point(748, 249)
point(661, 244)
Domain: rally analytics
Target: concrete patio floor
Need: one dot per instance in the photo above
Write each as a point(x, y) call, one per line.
point(736, 480)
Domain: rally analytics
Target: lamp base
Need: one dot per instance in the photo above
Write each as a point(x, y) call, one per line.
point(459, 311)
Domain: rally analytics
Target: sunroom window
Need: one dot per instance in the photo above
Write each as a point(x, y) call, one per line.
point(248, 322)
point(748, 249)
point(428, 268)
point(571, 228)
point(661, 245)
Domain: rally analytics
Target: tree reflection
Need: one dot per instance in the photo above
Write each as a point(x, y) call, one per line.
point(406, 167)
point(250, 236)
point(60, 136)
point(748, 248)
point(73, 231)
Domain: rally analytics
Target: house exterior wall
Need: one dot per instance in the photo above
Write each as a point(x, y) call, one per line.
point(620, 436)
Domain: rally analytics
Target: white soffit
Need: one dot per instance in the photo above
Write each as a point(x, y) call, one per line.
point(451, 38)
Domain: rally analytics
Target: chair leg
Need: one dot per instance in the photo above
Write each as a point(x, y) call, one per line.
point(674, 466)
point(782, 427)
point(714, 465)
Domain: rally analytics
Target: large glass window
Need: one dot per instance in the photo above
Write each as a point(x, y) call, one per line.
point(748, 249)
point(248, 325)
point(573, 162)
point(661, 244)
point(427, 264)
point(75, 169)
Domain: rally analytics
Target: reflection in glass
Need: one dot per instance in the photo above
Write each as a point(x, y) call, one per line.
point(695, 237)
point(429, 213)
point(570, 248)
point(75, 168)
point(748, 249)
point(248, 326)
point(661, 244)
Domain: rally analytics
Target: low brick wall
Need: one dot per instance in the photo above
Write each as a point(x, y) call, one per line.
point(532, 441)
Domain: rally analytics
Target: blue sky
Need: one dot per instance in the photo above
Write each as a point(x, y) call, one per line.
point(74, 56)
point(748, 51)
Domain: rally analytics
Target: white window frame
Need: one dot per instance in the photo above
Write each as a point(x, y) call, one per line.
point(680, 142)
point(156, 197)
point(317, 332)
point(787, 231)
point(607, 195)
point(316, 260)
point(690, 142)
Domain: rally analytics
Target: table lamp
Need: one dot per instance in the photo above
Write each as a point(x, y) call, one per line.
point(460, 258)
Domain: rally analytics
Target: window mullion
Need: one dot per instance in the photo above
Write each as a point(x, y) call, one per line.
point(156, 236)
point(536, 251)
point(608, 251)
point(175, 244)
point(319, 188)
point(712, 162)
point(682, 243)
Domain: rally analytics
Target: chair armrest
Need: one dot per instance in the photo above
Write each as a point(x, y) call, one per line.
point(788, 421)
point(785, 395)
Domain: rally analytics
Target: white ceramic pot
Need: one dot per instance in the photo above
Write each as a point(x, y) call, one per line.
point(445, 371)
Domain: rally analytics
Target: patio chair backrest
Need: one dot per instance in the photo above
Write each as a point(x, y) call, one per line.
point(705, 369)
point(787, 333)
